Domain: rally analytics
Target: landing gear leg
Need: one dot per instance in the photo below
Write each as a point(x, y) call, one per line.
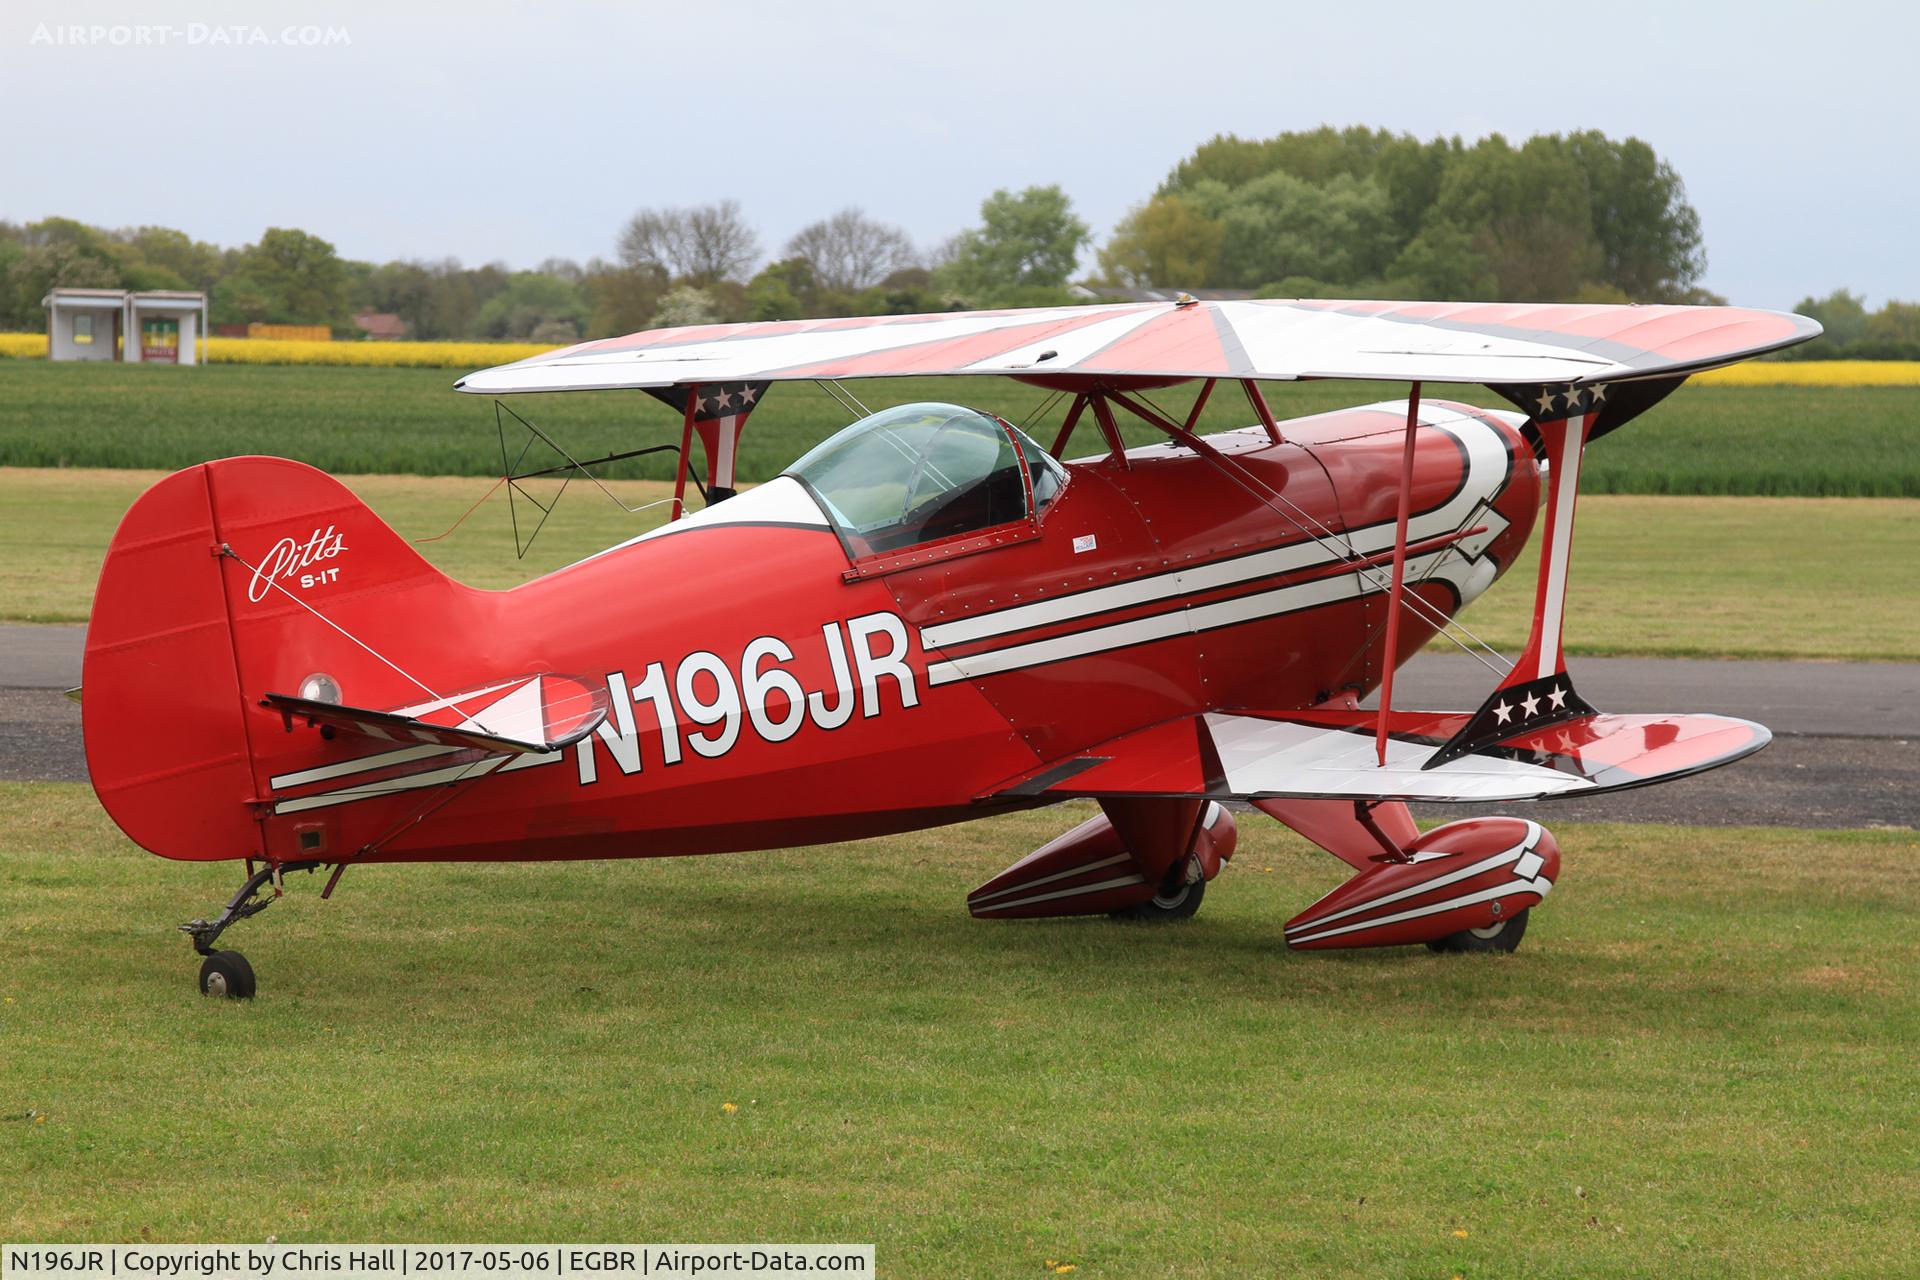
point(227, 973)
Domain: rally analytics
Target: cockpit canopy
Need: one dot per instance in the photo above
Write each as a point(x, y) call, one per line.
point(922, 472)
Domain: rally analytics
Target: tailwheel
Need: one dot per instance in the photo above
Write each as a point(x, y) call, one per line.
point(226, 974)
point(1178, 899)
point(1501, 935)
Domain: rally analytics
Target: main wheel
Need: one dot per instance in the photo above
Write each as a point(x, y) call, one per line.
point(226, 974)
point(1177, 903)
point(1502, 935)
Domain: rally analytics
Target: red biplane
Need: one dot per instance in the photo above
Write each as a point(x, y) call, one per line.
point(933, 617)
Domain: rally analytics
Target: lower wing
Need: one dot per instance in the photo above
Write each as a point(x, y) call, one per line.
point(1254, 755)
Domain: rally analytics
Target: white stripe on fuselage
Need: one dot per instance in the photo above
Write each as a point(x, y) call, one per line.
point(1486, 467)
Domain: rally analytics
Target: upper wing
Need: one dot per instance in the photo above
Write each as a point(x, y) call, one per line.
point(1495, 343)
point(1330, 755)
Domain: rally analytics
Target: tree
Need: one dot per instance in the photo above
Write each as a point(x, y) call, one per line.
point(1354, 209)
point(849, 251)
point(622, 299)
point(685, 306)
point(1842, 313)
point(194, 263)
point(1025, 248)
point(783, 290)
point(301, 273)
point(908, 291)
point(1649, 235)
point(1441, 262)
point(241, 299)
point(1167, 242)
point(1280, 225)
point(1895, 323)
point(701, 244)
point(1528, 214)
point(39, 268)
point(534, 303)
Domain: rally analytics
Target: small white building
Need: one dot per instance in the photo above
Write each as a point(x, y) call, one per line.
point(159, 326)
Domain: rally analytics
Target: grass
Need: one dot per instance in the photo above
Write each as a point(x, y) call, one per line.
point(1835, 578)
point(1684, 577)
point(1806, 441)
point(1699, 1063)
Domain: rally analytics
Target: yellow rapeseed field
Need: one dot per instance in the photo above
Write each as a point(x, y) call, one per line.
point(423, 355)
point(387, 355)
point(1814, 373)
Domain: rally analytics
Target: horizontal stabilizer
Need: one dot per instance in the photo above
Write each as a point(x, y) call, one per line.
point(527, 715)
point(1330, 755)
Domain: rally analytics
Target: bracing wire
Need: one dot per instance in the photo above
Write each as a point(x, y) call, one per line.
point(846, 399)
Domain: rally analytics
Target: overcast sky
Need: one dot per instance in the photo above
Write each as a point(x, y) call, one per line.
point(518, 132)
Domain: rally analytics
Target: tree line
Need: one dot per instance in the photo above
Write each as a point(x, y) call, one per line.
point(1855, 333)
point(1327, 212)
point(671, 266)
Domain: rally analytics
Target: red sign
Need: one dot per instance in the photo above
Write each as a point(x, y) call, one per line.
point(160, 341)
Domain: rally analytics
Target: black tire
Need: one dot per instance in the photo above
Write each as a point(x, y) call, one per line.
point(1503, 936)
point(227, 974)
point(1179, 903)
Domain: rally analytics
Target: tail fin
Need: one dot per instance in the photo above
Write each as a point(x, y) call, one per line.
point(209, 594)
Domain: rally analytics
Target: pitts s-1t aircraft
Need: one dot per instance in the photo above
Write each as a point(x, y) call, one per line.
point(933, 617)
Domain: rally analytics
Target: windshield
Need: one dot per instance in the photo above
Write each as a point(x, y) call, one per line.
point(921, 472)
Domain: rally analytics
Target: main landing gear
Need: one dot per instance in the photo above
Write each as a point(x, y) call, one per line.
point(1179, 896)
point(226, 973)
point(1501, 935)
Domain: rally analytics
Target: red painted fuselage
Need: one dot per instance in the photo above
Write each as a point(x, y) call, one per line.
point(765, 691)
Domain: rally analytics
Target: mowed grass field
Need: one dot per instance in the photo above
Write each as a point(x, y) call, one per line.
point(1699, 1063)
point(1682, 577)
point(1797, 440)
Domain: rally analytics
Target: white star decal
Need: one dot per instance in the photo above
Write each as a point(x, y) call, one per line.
point(1558, 697)
point(1545, 401)
point(1503, 711)
point(1530, 704)
point(726, 399)
point(748, 395)
point(1598, 391)
point(701, 405)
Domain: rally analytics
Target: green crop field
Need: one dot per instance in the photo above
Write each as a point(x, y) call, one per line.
point(1676, 577)
point(1699, 1063)
point(1808, 441)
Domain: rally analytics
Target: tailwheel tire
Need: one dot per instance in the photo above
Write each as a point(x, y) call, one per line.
point(1176, 903)
point(226, 974)
point(1502, 935)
